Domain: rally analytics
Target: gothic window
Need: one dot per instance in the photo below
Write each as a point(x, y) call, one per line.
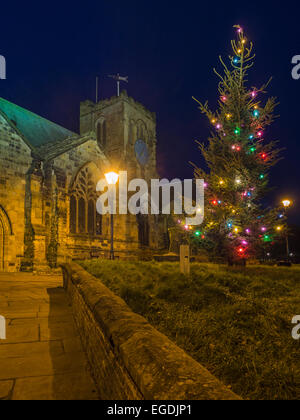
point(98, 224)
point(73, 214)
point(91, 217)
point(84, 218)
point(101, 133)
point(81, 215)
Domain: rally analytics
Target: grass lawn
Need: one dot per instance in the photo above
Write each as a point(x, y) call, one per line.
point(235, 321)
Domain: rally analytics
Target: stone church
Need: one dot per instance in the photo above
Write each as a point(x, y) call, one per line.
point(48, 178)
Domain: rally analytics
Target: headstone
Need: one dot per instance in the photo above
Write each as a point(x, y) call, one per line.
point(185, 266)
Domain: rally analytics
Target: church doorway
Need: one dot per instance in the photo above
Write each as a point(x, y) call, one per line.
point(143, 229)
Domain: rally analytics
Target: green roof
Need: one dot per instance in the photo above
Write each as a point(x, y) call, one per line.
point(37, 130)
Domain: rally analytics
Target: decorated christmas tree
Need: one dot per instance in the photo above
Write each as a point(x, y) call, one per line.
point(239, 157)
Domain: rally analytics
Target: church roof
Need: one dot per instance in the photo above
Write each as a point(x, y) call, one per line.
point(37, 130)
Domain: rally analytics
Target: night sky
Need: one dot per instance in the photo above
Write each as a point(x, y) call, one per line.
point(168, 49)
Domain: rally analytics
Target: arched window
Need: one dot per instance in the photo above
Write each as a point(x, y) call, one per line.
point(101, 133)
point(98, 224)
point(91, 217)
point(84, 218)
point(81, 215)
point(73, 214)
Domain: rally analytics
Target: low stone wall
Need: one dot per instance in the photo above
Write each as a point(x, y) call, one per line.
point(131, 360)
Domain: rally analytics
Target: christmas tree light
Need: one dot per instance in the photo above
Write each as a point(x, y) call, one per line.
point(239, 158)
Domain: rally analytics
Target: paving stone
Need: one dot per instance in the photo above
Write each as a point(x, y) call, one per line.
point(42, 357)
point(77, 386)
point(42, 364)
point(5, 389)
point(31, 349)
point(21, 334)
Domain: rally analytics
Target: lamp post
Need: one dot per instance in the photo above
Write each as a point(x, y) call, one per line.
point(286, 205)
point(112, 179)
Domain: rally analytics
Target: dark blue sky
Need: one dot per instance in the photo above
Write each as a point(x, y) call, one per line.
point(168, 50)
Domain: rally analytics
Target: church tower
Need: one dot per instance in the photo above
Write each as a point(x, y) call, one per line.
point(126, 132)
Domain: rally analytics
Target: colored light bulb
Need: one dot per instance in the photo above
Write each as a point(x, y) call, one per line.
point(256, 113)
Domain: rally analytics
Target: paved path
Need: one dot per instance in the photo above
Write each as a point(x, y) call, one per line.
point(42, 357)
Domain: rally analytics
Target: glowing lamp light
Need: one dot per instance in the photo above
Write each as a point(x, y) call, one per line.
point(253, 94)
point(286, 203)
point(236, 230)
point(264, 156)
point(224, 98)
point(245, 243)
point(238, 148)
point(179, 222)
point(261, 176)
point(213, 121)
point(112, 178)
point(218, 126)
point(251, 137)
point(238, 181)
point(228, 116)
point(244, 41)
point(248, 231)
point(239, 30)
point(221, 182)
point(205, 184)
point(256, 113)
point(233, 147)
point(279, 228)
point(263, 229)
point(237, 131)
point(253, 149)
point(203, 237)
point(229, 225)
point(236, 60)
point(215, 202)
point(260, 134)
point(186, 227)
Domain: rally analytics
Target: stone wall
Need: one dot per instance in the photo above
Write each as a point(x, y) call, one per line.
point(15, 161)
point(130, 360)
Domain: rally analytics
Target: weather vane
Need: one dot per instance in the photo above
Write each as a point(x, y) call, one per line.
point(119, 79)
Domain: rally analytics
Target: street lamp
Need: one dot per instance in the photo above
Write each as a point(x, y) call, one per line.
point(112, 179)
point(286, 205)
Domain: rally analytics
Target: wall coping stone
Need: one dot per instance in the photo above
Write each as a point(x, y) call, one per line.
point(159, 369)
